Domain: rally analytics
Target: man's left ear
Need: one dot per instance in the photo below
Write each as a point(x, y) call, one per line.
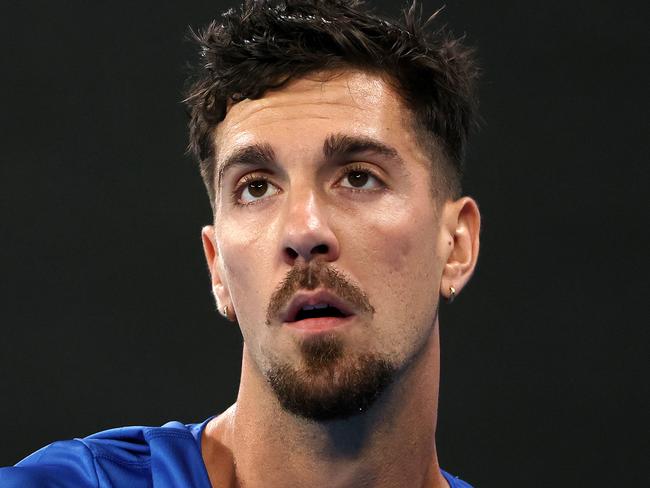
point(461, 225)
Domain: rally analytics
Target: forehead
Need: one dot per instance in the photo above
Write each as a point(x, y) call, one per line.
point(304, 112)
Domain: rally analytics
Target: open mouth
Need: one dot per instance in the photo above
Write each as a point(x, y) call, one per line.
point(317, 309)
point(318, 312)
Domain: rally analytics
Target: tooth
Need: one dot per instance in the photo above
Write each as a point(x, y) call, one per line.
point(321, 305)
point(308, 307)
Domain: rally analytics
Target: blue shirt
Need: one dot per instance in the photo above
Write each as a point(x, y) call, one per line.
point(132, 457)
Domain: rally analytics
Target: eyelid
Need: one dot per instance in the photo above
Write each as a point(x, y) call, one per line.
point(364, 169)
point(243, 181)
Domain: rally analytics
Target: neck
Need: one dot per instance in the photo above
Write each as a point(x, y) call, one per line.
point(391, 443)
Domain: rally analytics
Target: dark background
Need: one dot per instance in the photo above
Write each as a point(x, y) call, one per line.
point(106, 313)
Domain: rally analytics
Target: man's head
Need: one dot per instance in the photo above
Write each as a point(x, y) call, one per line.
point(331, 143)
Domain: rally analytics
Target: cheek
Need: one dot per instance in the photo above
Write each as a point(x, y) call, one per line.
point(398, 243)
point(401, 243)
point(401, 271)
point(244, 272)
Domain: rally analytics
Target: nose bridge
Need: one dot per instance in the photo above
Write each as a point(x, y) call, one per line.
point(304, 206)
point(306, 230)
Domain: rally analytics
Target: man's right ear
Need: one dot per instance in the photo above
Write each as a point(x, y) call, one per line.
point(219, 290)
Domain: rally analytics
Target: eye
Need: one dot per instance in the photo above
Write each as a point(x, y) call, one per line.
point(252, 189)
point(359, 177)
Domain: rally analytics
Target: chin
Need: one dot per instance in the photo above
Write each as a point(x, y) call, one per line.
point(328, 385)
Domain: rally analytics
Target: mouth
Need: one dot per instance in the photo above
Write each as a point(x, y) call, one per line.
point(322, 324)
point(317, 311)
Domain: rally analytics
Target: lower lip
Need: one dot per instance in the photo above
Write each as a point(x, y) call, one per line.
point(319, 324)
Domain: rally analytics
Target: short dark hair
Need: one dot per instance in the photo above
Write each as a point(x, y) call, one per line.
point(270, 42)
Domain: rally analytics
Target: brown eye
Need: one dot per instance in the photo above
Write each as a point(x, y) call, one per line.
point(258, 188)
point(357, 178)
point(254, 190)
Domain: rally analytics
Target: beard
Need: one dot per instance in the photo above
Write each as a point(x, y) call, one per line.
point(330, 385)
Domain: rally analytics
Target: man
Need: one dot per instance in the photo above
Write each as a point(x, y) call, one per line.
point(330, 141)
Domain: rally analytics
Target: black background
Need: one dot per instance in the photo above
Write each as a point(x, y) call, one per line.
point(106, 310)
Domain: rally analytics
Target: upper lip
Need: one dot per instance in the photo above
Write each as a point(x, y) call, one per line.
point(301, 299)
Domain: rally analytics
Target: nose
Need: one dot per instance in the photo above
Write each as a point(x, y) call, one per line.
point(306, 232)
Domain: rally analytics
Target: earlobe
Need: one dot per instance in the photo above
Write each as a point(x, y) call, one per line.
point(463, 224)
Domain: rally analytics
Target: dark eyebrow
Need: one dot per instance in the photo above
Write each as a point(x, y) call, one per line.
point(338, 146)
point(252, 155)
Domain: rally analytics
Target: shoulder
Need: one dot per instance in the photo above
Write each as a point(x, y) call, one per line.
point(455, 481)
point(66, 461)
point(115, 457)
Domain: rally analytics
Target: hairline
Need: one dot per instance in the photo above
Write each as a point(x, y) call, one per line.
point(430, 144)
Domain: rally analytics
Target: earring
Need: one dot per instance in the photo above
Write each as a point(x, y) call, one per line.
point(452, 294)
point(225, 311)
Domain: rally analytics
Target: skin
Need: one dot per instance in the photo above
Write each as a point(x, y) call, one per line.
point(397, 245)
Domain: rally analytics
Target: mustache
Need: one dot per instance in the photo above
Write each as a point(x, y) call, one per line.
point(316, 274)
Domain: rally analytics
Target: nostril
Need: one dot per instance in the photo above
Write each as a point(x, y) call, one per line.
point(320, 249)
point(308, 252)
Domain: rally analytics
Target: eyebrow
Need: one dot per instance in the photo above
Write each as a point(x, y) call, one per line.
point(253, 155)
point(335, 147)
point(338, 146)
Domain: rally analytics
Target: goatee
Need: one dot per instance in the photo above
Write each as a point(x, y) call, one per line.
point(330, 385)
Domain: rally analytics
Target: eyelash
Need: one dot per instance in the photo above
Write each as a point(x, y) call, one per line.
point(355, 168)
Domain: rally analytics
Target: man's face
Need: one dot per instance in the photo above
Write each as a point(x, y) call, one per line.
point(329, 190)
